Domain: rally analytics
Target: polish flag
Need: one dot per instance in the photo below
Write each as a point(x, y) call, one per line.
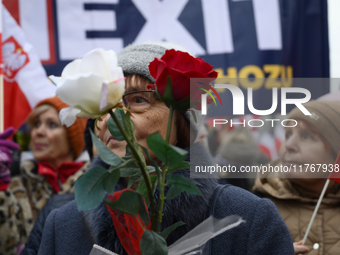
point(279, 135)
point(267, 146)
point(25, 80)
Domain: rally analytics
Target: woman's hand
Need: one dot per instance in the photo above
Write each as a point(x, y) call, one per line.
point(299, 248)
point(6, 148)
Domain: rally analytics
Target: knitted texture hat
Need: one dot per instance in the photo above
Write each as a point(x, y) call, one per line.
point(135, 59)
point(75, 132)
point(325, 117)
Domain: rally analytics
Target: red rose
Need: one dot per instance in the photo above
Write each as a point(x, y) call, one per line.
point(180, 66)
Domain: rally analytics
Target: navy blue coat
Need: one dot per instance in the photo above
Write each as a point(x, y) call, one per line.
point(34, 239)
point(69, 232)
point(263, 233)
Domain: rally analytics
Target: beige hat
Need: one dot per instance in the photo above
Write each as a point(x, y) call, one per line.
point(325, 117)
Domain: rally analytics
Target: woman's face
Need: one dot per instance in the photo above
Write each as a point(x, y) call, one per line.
point(302, 148)
point(148, 114)
point(49, 140)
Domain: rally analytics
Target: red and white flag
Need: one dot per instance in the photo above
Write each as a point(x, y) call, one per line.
point(267, 146)
point(279, 136)
point(25, 80)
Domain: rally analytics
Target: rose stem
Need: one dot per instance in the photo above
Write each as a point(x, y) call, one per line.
point(164, 169)
point(141, 166)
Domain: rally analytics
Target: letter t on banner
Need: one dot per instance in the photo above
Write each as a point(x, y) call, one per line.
point(334, 176)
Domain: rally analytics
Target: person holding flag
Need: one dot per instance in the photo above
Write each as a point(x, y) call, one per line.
point(309, 152)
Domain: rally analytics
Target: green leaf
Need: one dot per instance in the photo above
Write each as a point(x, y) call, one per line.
point(158, 171)
point(112, 126)
point(150, 169)
point(127, 151)
point(141, 189)
point(139, 176)
point(168, 230)
point(183, 105)
point(154, 183)
point(111, 181)
point(133, 179)
point(139, 152)
point(146, 151)
point(129, 171)
point(132, 203)
point(127, 157)
point(142, 210)
point(173, 191)
point(89, 188)
point(153, 244)
point(129, 127)
point(167, 153)
point(183, 183)
point(180, 152)
point(167, 98)
point(105, 153)
point(129, 162)
point(178, 166)
point(128, 203)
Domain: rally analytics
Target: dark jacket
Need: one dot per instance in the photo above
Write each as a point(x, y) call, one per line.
point(34, 239)
point(68, 231)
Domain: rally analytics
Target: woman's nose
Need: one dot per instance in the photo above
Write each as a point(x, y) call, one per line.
point(41, 129)
point(106, 118)
point(102, 122)
point(291, 144)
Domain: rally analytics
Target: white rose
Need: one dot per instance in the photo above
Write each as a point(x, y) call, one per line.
point(91, 86)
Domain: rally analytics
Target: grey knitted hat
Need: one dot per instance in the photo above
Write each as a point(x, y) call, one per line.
point(135, 59)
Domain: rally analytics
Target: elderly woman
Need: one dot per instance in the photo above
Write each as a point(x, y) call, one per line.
point(53, 171)
point(315, 140)
point(68, 231)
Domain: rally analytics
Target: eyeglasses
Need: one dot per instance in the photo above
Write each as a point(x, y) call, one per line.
point(140, 101)
point(137, 101)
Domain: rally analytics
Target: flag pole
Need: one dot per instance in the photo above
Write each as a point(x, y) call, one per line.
point(315, 211)
point(2, 97)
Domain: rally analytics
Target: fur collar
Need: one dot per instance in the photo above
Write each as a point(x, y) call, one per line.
point(190, 209)
point(283, 188)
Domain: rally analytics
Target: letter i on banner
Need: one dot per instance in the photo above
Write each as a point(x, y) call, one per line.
point(2, 119)
point(334, 176)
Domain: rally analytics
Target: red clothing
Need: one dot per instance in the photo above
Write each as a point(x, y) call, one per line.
point(61, 173)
